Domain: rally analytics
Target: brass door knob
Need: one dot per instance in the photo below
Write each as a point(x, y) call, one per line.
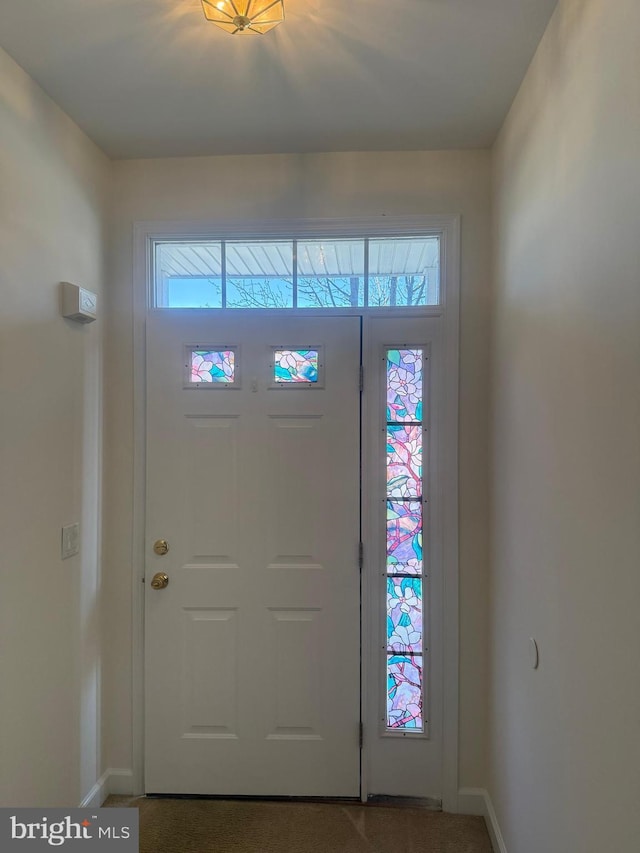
point(161, 547)
point(160, 581)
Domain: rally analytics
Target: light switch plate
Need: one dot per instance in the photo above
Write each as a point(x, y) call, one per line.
point(70, 540)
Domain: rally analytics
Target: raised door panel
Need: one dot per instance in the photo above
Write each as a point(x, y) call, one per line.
point(209, 672)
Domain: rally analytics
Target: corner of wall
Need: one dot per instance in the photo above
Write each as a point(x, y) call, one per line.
point(113, 781)
point(477, 801)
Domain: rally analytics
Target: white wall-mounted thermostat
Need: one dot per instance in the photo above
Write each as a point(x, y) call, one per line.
point(78, 304)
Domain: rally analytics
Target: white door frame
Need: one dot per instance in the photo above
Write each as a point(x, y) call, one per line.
point(448, 227)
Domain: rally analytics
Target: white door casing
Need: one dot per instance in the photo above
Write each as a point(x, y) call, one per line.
point(379, 751)
point(252, 651)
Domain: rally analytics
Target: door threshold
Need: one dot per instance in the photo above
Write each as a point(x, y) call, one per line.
point(280, 798)
point(429, 803)
point(433, 804)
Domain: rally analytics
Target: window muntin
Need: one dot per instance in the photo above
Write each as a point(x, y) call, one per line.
point(393, 272)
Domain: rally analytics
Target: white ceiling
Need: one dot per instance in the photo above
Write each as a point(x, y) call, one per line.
point(152, 78)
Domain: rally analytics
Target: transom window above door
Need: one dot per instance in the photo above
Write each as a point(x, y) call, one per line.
point(363, 272)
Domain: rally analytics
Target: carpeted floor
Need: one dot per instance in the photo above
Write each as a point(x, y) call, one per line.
point(250, 826)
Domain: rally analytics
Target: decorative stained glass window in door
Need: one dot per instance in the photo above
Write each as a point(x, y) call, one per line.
point(211, 367)
point(297, 367)
point(405, 378)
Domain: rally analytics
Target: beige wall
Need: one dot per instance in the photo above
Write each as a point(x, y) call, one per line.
point(53, 190)
point(565, 739)
point(290, 186)
point(564, 520)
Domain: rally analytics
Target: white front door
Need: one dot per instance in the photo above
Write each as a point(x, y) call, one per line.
point(253, 647)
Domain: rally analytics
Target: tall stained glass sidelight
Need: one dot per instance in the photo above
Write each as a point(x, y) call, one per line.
point(405, 378)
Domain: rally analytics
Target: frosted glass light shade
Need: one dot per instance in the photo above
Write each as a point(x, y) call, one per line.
point(244, 16)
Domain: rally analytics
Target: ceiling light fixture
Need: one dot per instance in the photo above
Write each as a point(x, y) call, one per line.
point(244, 16)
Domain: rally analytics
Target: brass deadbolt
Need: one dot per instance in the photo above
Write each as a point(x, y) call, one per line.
point(161, 547)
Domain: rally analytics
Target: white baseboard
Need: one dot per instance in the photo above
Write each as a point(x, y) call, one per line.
point(120, 782)
point(492, 825)
point(112, 781)
point(98, 794)
point(476, 801)
point(472, 801)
